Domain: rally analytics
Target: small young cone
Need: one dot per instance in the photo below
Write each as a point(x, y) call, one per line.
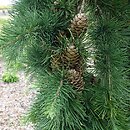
point(76, 79)
point(78, 24)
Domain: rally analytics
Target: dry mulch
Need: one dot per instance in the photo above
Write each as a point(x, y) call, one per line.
point(15, 99)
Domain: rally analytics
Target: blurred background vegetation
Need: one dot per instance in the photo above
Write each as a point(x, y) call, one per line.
point(4, 18)
point(9, 76)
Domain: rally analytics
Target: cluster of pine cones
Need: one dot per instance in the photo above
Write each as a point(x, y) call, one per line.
point(70, 59)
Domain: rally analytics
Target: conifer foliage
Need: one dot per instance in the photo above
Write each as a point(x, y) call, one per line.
point(77, 53)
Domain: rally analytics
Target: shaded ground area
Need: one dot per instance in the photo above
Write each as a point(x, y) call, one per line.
point(15, 99)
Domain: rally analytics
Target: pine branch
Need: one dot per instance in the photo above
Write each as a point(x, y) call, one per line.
point(55, 102)
point(110, 64)
point(43, 32)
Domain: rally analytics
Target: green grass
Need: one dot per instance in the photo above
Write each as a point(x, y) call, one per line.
point(2, 21)
point(10, 77)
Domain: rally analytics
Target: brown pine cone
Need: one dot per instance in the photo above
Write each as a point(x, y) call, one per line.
point(76, 79)
point(78, 24)
point(71, 58)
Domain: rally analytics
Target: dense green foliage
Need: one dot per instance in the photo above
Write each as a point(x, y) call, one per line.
point(30, 37)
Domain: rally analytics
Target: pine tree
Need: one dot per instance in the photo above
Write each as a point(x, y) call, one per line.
point(76, 52)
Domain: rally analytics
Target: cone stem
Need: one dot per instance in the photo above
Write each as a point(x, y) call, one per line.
point(82, 6)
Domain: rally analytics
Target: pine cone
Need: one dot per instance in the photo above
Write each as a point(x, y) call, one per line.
point(78, 24)
point(71, 58)
point(76, 79)
point(56, 62)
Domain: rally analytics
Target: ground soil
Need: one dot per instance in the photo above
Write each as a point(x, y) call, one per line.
point(15, 99)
